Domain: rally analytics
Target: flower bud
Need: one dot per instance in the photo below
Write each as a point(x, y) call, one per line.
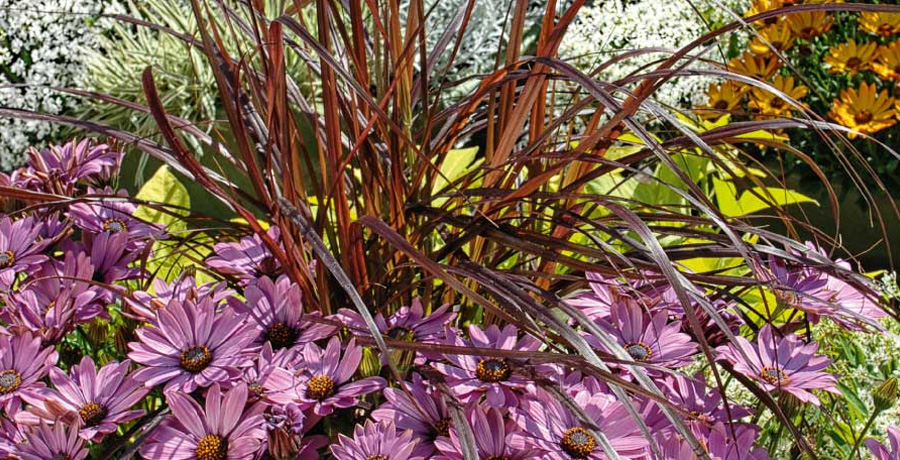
point(370, 365)
point(886, 394)
point(789, 404)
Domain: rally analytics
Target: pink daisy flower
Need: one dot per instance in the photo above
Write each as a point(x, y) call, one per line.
point(20, 248)
point(882, 452)
point(647, 339)
point(23, 364)
point(375, 441)
point(52, 442)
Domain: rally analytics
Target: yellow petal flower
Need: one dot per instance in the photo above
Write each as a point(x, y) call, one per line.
point(761, 6)
point(810, 24)
point(864, 110)
point(776, 36)
point(772, 104)
point(880, 23)
point(761, 67)
point(887, 64)
point(722, 98)
point(851, 57)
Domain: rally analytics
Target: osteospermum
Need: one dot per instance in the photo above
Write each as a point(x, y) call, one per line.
point(647, 339)
point(113, 214)
point(879, 23)
point(882, 452)
point(407, 323)
point(416, 407)
point(722, 98)
point(781, 364)
point(751, 65)
point(247, 259)
point(851, 57)
point(776, 36)
point(192, 345)
point(549, 427)
point(325, 383)
point(470, 377)
point(58, 168)
point(102, 399)
point(23, 364)
point(493, 432)
point(275, 308)
point(142, 305)
point(52, 442)
point(864, 110)
point(375, 441)
point(222, 429)
point(20, 248)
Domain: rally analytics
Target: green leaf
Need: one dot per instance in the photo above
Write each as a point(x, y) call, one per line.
point(164, 188)
point(751, 202)
point(456, 164)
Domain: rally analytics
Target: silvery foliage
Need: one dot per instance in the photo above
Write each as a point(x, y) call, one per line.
point(485, 35)
point(42, 43)
point(610, 27)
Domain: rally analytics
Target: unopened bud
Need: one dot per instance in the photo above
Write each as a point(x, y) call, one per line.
point(370, 365)
point(789, 404)
point(886, 394)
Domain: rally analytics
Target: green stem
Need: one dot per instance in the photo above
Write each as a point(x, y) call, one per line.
point(862, 434)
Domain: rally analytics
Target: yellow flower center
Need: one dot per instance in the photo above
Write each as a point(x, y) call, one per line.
point(115, 226)
point(212, 447)
point(639, 351)
point(195, 359)
point(10, 380)
point(92, 413)
point(493, 370)
point(320, 388)
point(7, 258)
point(378, 457)
point(774, 376)
point(578, 442)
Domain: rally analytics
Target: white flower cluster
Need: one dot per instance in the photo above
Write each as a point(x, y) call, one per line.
point(41, 45)
point(612, 27)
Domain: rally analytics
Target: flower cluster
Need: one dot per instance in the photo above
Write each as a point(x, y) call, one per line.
point(242, 370)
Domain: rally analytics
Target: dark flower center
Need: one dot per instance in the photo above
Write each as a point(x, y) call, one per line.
point(771, 20)
point(114, 225)
point(7, 258)
point(497, 457)
point(280, 335)
point(776, 103)
point(269, 266)
point(320, 387)
point(897, 70)
point(442, 427)
point(885, 30)
point(212, 447)
point(60, 456)
point(493, 370)
point(774, 376)
point(378, 457)
point(808, 32)
point(401, 333)
point(578, 442)
point(862, 117)
point(639, 351)
point(853, 63)
point(92, 413)
point(196, 358)
point(256, 389)
point(721, 104)
point(9, 381)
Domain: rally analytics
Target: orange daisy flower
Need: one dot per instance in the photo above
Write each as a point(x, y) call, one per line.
point(751, 65)
point(879, 23)
point(761, 6)
point(767, 103)
point(809, 24)
point(887, 64)
point(776, 36)
point(865, 110)
point(721, 99)
point(851, 57)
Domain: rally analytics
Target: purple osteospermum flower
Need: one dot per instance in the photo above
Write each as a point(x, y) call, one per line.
point(59, 298)
point(850, 303)
point(110, 258)
point(422, 411)
point(192, 346)
point(326, 384)
point(492, 431)
point(142, 306)
point(113, 215)
point(23, 363)
point(223, 430)
point(20, 248)
point(276, 310)
point(375, 441)
point(785, 364)
point(546, 425)
point(101, 399)
point(800, 287)
point(10, 438)
point(407, 323)
point(880, 451)
point(704, 406)
point(652, 340)
point(247, 259)
point(270, 374)
point(57, 168)
point(52, 442)
point(471, 376)
point(726, 443)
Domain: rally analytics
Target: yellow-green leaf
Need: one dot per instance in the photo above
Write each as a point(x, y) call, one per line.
point(165, 189)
